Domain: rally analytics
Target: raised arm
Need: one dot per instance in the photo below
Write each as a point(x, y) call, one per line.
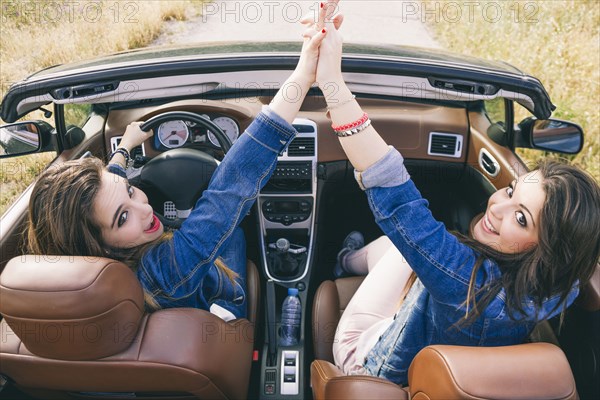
point(174, 268)
point(403, 215)
point(362, 150)
point(285, 103)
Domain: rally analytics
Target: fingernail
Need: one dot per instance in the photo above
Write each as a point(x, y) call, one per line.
point(324, 30)
point(322, 5)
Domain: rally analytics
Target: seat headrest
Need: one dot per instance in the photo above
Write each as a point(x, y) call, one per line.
point(71, 308)
point(524, 371)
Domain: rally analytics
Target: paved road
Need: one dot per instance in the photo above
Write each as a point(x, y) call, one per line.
point(367, 21)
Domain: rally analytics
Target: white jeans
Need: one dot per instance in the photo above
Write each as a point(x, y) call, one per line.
point(371, 310)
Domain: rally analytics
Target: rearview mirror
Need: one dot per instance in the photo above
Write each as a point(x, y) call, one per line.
point(20, 138)
point(552, 135)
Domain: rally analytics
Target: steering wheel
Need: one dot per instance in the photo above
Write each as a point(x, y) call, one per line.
point(181, 175)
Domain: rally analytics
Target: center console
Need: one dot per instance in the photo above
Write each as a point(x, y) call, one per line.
point(286, 216)
point(286, 208)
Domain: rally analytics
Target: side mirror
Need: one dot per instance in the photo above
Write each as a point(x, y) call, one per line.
point(22, 138)
point(551, 135)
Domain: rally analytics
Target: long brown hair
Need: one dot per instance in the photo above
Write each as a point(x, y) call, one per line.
point(567, 252)
point(61, 218)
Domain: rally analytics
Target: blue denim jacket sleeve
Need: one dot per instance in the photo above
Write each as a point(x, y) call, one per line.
point(441, 261)
point(117, 170)
point(174, 268)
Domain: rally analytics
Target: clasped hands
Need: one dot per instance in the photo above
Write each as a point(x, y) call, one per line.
point(321, 56)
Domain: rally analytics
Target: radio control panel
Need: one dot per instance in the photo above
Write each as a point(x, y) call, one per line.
point(291, 177)
point(287, 210)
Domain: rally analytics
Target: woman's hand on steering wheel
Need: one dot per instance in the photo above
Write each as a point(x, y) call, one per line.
point(134, 136)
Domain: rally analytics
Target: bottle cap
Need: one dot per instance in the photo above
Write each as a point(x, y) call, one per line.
point(292, 291)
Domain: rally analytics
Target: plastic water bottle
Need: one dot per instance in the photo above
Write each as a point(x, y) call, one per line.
point(291, 314)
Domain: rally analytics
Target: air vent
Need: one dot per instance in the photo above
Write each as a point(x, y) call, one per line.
point(445, 144)
point(304, 128)
point(137, 151)
point(302, 147)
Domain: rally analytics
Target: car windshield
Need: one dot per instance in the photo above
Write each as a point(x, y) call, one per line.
point(240, 48)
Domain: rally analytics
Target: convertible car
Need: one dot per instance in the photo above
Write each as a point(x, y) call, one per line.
point(76, 327)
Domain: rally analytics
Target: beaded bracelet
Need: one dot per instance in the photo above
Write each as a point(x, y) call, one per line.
point(124, 153)
point(351, 125)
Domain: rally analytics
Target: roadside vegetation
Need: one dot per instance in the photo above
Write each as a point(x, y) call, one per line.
point(42, 33)
point(556, 41)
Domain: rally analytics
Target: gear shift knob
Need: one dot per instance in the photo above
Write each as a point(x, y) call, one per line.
point(282, 245)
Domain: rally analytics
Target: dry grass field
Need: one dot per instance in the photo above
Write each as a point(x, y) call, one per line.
point(39, 34)
point(557, 41)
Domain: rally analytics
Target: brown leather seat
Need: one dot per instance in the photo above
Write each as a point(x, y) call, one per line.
point(77, 326)
point(527, 371)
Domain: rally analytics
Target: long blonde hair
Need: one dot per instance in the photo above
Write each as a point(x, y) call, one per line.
point(61, 221)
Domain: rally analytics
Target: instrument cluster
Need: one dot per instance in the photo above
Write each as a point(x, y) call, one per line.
point(179, 133)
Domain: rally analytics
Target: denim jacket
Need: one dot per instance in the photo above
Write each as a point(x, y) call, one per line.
point(180, 272)
point(443, 266)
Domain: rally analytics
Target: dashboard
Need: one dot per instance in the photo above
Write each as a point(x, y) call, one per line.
point(405, 125)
